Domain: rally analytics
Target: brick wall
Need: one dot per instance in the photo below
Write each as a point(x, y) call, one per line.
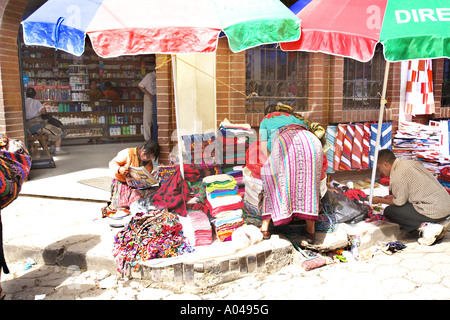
point(11, 115)
point(325, 87)
point(165, 105)
point(230, 84)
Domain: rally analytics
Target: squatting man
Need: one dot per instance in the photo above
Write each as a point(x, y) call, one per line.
point(417, 201)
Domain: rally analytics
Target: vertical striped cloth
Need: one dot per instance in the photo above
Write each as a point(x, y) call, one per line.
point(419, 88)
point(341, 129)
point(366, 146)
point(358, 146)
point(331, 138)
point(346, 157)
point(385, 139)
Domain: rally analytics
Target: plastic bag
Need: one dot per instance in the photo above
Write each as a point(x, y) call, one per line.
point(347, 210)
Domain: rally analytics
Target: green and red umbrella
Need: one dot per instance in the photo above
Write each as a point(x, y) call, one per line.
point(418, 29)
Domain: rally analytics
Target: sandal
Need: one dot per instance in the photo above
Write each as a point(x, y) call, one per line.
point(310, 237)
point(107, 211)
point(309, 240)
point(266, 234)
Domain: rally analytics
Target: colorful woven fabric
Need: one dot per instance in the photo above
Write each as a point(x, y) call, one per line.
point(366, 146)
point(331, 139)
point(165, 173)
point(15, 164)
point(419, 88)
point(174, 194)
point(385, 139)
point(357, 149)
point(227, 222)
point(200, 148)
point(122, 195)
point(152, 235)
point(347, 146)
point(341, 129)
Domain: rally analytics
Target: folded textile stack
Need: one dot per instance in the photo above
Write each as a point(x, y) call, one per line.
point(233, 141)
point(412, 138)
point(422, 142)
point(224, 203)
point(197, 228)
point(227, 222)
point(236, 173)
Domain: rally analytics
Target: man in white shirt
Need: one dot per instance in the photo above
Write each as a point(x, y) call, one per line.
point(34, 109)
point(148, 86)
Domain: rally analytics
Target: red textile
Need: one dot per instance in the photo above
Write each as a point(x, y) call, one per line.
point(356, 194)
point(255, 159)
point(213, 212)
point(174, 194)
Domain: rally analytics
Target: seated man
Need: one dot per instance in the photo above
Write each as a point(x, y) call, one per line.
point(417, 200)
point(34, 110)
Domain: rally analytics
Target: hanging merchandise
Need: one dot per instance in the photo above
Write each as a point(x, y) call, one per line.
point(419, 88)
point(156, 234)
point(366, 146)
point(341, 129)
point(331, 139)
point(385, 139)
point(200, 148)
point(347, 145)
point(354, 145)
point(358, 146)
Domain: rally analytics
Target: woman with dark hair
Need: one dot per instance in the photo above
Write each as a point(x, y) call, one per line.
point(292, 173)
point(123, 195)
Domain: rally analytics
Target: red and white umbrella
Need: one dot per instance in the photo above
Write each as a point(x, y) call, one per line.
point(118, 27)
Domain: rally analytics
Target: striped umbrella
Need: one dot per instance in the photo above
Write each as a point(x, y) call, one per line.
point(117, 27)
point(407, 29)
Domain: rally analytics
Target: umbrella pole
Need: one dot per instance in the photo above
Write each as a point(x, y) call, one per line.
point(380, 124)
point(177, 115)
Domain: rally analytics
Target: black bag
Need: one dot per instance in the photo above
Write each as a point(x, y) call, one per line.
point(347, 210)
point(50, 119)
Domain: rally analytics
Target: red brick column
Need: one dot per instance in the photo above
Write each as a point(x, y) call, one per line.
point(230, 84)
point(11, 115)
point(165, 105)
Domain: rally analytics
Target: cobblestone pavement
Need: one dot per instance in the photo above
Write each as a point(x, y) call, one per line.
point(417, 272)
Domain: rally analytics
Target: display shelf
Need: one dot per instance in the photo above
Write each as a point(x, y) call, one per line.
point(63, 80)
